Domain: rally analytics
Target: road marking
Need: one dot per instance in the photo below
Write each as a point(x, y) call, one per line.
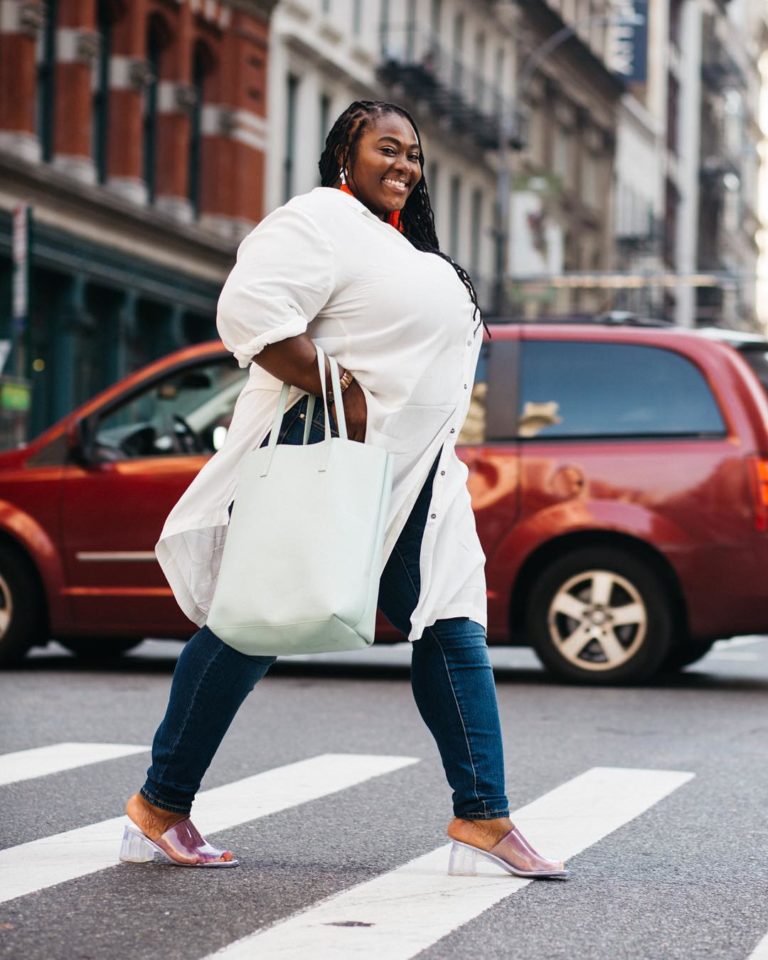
point(741, 657)
point(42, 761)
point(45, 862)
point(398, 914)
point(761, 950)
point(738, 642)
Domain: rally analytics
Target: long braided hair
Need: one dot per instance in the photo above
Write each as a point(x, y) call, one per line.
point(416, 218)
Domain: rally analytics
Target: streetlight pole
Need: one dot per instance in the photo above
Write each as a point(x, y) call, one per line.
point(512, 138)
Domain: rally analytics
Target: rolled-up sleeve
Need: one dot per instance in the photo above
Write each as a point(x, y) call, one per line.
point(283, 277)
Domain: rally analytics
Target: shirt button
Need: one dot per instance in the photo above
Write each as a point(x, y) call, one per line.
point(465, 386)
point(469, 343)
point(434, 516)
point(442, 473)
point(453, 430)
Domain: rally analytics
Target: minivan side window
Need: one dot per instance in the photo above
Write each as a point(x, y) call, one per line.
point(491, 416)
point(571, 389)
point(188, 412)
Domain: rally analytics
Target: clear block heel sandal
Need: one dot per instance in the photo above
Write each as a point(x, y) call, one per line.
point(181, 845)
point(512, 853)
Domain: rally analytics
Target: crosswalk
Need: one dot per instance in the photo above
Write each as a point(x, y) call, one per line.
point(399, 914)
point(392, 916)
point(44, 863)
point(761, 950)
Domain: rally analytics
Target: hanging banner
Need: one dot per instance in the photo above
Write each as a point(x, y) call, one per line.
point(628, 40)
point(20, 246)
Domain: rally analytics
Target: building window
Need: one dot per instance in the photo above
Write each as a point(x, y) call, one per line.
point(498, 82)
point(46, 67)
point(476, 231)
point(675, 19)
point(435, 17)
point(410, 31)
point(100, 90)
point(157, 39)
point(357, 17)
point(203, 65)
point(384, 27)
point(324, 120)
point(671, 204)
point(454, 213)
point(457, 67)
point(290, 135)
point(673, 112)
point(433, 175)
point(561, 154)
point(590, 179)
point(479, 69)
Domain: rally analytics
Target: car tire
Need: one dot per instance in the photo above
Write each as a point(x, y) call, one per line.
point(22, 606)
point(99, 649)
point(573, 611)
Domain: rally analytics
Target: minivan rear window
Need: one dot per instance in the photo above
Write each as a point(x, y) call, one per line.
point(575, 389)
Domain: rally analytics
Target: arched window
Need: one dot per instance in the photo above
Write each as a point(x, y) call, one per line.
point(158, 37)
point(107, 12)
point(203, 66)
point(46, 76)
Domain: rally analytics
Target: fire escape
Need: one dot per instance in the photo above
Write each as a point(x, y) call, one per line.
point(415, 64)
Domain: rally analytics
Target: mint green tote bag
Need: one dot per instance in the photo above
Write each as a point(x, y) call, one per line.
point(303, 555)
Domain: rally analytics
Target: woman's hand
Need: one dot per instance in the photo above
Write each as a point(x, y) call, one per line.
point(355, 411)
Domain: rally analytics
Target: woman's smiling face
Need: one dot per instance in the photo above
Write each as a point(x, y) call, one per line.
point(385, 164)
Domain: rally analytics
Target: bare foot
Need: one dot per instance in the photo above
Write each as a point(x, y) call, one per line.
point(151, 820)
point(484, 834)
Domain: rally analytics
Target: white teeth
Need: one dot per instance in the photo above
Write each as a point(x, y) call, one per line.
point(396, 183)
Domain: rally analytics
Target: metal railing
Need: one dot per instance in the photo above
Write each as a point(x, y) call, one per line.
point(414, 58)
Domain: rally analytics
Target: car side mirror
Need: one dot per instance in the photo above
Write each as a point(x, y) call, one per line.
point(82, 442)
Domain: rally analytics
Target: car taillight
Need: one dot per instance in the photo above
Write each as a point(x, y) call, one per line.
point(760, 491)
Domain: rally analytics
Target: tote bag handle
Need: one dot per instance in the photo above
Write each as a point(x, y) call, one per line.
point(338, 404)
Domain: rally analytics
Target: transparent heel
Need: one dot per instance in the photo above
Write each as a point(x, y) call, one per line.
point(462, 861)
point(135, 848)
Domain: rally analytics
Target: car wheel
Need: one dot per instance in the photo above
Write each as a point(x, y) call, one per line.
point(99, 649)
point(22, 606)
point(600, 615)
point(685, 655)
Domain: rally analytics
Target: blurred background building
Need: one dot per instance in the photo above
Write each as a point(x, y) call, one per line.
point(136, 131)
point(583, 156)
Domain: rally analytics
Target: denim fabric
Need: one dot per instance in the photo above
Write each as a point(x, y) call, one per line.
point(451, 678)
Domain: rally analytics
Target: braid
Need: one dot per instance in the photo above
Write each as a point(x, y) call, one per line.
point(416, 218)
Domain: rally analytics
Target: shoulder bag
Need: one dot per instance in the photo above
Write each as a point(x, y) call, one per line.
point(302, 559)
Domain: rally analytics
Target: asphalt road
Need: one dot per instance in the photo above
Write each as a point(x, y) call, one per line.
point(672, 864)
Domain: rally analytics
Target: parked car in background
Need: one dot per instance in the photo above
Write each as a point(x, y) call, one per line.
point(619, 478)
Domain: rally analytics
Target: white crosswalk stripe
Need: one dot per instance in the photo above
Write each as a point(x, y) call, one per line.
point(51, 860)
point(43, 761)
point(405, 911)
point(761, 950)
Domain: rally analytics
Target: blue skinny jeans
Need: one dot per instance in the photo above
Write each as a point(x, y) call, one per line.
point(451, 677)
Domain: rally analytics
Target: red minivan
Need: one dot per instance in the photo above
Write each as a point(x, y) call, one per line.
point(619, 477)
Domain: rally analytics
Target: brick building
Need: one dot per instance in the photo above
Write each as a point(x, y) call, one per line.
point(136, 131)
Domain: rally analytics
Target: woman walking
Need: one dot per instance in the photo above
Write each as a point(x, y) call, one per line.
point(354, 266)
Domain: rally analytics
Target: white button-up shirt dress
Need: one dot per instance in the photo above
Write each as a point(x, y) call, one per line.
point(402, 322)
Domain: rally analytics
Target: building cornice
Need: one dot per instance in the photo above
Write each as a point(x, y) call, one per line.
point(95, 213)
point(260, 9)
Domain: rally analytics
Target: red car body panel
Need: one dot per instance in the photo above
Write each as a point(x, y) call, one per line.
point(690, 502)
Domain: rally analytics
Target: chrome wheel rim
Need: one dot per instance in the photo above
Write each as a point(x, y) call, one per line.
point(6, 606)
point(597, 620)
